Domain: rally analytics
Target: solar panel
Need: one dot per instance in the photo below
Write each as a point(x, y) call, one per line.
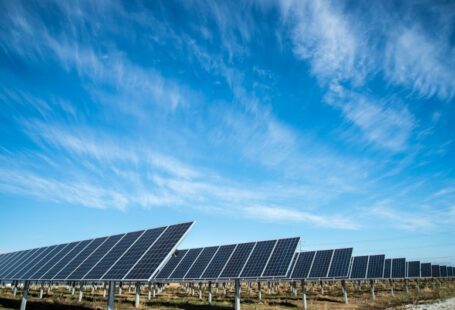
point(443, 271)
point(158, 254)
point(388, 268)
point(281, 258)
point(138, 254)
point(65, 260)
point(376, 267)
point(258, 259)
point(339, 268)
point(398, 268)
point(79, 258)
point(303, 265)
point(425, 270)
point(220, 259)
point(186, 263)
point(321, 264)
point(113, 254)
point(359, 267)
point(131, 256)
point(166, 271)
point(450, 271)
point(201, 263)
point(435, 271)
point(414, 269)
point(237, 261)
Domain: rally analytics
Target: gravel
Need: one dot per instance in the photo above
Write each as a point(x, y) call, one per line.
point(448, 304)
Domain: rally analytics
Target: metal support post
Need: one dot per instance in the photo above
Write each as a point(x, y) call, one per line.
point(150, 291)
point(372, 284)
point(25, 295)
point(322, 287)
point(305, 306)
point(391, 288)
point(200, 291)
point(210, 292)
point(259, 291)
point(345, 291)
point(81, 291)
point(138, 295)
point(237, 294)
point(406, 286)
point(41, 291)
point(111, 296)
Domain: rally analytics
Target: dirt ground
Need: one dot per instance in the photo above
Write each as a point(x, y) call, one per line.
point(280, 298)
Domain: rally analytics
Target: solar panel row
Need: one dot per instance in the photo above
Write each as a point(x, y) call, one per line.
point(367, 267)
point(132, 256)
point(264, 259)
point(333, 264)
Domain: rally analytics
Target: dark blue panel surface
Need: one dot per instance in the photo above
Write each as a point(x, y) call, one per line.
point(186, 263)
point(171, 264)
point(119, 270)
point(17, 263)
point(321, 264)
point(237, 261)
point(281, 258)
point(258, 259)
point(70, 254)
point(414, 269)
point(94, 258)
point(303, 265)
point(388, 268)
point(79, 258)
point(376, 267)
point(339, 268)
point(113, 255)
point(157, 255)
point(219, 261)
point(359, 267)
point(398, 268)
point(425, 270)
point(450, 271)
point(201, 263)
point(435, 273)
point(443, 271)
point(50, 261)
point(31, 268)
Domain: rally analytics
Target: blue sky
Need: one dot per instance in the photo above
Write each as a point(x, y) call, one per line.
point(333, 121)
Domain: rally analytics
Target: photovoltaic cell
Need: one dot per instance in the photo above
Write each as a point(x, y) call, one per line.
point(339, 268)
point(113, 255)
point(171, 265)
point(450, 271)
point(443, 271)
point(359, 267)
point(186, 263)
point(219, 261)
point(303, 265)
point(28, 271)
point(258, 259)
point(321, 264)
point(119, 270)
point(414, 269)
point(398, 268)
point(435, 273)
point(159, 253)
point(425, 270)
point(37, 256)
point(94, 258)
point(65, 260)
point(201, 263)
point(50, 261)
point(388, 268)
point(281, 258)
point(17, 263)
point(375, 266)
point(237, 261)
point(79, 258)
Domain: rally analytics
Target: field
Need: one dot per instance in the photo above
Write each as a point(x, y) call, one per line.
point(279, 297)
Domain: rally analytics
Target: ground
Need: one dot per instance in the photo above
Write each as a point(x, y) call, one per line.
point(175, 297)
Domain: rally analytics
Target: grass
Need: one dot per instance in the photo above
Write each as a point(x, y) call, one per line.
point(175, 297)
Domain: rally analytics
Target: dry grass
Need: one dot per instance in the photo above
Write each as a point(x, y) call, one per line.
point(175, 297)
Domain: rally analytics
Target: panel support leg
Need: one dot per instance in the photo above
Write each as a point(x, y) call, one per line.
point(150, 291)
point(418, 285)
point(41, 291)
point(391, 288)
point(259, 291)
point(15, 289)
point(322, 287)
point(345, 291)
point(372, 286)
point(200, 291)
point(210, 292)
point(137, 300)
point(81, 291)
point(25, 296)
point(406, 284)
point(305, 306)
point(111, 296)
point(237, 294)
